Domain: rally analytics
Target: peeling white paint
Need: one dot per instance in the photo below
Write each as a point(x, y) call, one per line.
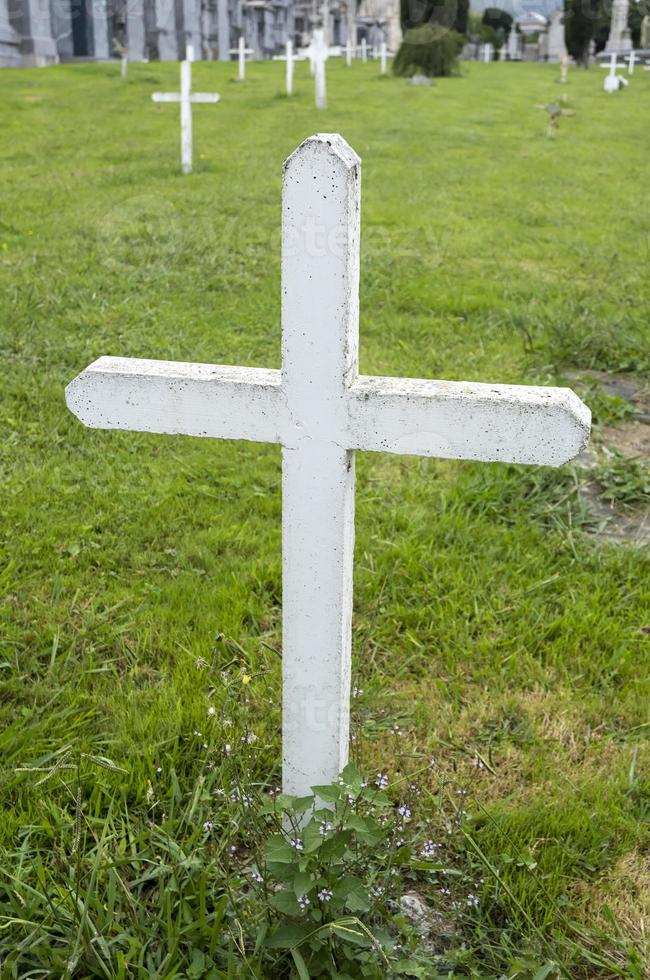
point(321, 411)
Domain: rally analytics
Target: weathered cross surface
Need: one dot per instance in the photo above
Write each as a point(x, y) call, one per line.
point(320, 409)
point(186, 97)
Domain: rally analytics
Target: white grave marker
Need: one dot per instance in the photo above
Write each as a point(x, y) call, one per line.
point(289, 75)
point(241, 51)
point(348, 53)
point(383, 54)
point(125, 63)
point(318, 52)
point(613, 82)
point(631, 61)
point(186, 97)
point(364, 50)
point(487, 53)
point(321, 410)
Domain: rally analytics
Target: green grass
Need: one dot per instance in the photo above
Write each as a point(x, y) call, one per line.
point(487, 620)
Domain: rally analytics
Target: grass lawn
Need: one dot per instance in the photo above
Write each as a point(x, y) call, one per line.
point(492, 630)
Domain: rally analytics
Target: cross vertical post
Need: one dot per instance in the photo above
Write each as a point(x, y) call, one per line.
point(383, 56)
point(320, 316)
point(364, 50)
point(186, 117)
point(289, 77)
point(125, 64)
point(348, 53)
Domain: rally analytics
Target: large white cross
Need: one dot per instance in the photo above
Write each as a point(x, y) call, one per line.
point(321, 410)
point(186, 97)
point(318, 53)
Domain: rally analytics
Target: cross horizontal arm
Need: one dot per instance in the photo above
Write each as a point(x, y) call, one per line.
point(166, 96)
point(458, 420)
point(175, 397)
point(205, 97)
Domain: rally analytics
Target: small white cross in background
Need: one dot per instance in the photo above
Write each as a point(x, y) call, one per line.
point(613, 82)
point(186, 97)
point(631, 61)
point(383, 54)
point(321, 410)
point(289, 75)
point(318, 53)
point(348, 52)
point(125, 62)
point(364, 50)
point(241, 51)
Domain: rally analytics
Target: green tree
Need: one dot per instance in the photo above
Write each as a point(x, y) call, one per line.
point(581, 22)
point(433, 36)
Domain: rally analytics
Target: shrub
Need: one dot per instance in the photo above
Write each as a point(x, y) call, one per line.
point(429, 50)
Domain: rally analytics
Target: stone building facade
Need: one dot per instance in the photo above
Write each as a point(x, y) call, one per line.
point(42, 32)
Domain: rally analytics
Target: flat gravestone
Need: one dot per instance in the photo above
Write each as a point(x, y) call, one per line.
point(321, 411)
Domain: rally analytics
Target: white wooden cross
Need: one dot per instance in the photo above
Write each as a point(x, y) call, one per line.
point(321, 410)
point(124, 57)
point(487, 53)
point(186, 97)
point(364, 50)
point(631, 61)
point(613, 82)
point(318, 53)
point(289, 76)
point(241, 51)
point(348, 53)
point(383, 54)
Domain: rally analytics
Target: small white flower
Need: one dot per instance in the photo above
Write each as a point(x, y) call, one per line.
point(444, 891)
point(472, 901)
point(404, 811)
point(207, 826)
point(296, 843)
point(212, 711)
point(256, 876)
point(227, 748)
point(325, 895)
point(382, 780)
point(303, 902)
point(357, 692)
point(159, 769)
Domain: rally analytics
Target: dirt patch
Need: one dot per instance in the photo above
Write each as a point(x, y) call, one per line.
point(615, 523)
point(632, 439)
point(626, 386)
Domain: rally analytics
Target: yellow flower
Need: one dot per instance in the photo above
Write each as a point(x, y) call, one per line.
point(246, 679)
